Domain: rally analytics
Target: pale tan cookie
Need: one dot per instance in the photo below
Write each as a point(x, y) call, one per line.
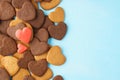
point(18, 55)
point(49, 5)
point(42, 56)
point(21, 74)
point(10, 64)
point(0, 61)
point(55, 56)
point(46, 76)
point(58, 15)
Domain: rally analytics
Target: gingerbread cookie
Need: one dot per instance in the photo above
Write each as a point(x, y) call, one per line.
point(10, 64)
point(58, 77)
point(55, 56)
point(4, 74)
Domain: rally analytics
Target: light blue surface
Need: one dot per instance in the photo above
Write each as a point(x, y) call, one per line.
point(92, 43)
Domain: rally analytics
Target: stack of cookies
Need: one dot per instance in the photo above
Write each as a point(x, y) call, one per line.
point(24, 33)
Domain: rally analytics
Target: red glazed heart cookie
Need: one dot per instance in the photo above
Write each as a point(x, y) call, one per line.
point(21, 48)
point(24, 35)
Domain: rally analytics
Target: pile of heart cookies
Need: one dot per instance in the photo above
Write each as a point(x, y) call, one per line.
point(25, 31)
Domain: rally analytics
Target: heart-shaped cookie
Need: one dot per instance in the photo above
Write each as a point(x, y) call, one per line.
point(58, 77)
point(10, 64)
point(24, 35)
point(6, 11)
point(21, 48)
point(38, 68)
point(47, 5)
point(47, 23)
point(42, 35)
point(4, 74)
point(3, 26)
point(27, 12)
point(46, 76)
point(57, 15)
point(38, 48)
point(39, 20)
point(27, 57)
point(21, 74)
point(59, 31)
point(55, 56)
point(11, 30)
point(28, 77)
point(18, 3)
point(7, 45)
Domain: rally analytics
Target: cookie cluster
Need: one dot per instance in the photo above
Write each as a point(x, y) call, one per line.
point(24, 33)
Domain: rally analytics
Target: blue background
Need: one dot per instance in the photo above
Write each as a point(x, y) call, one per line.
point(92, 43)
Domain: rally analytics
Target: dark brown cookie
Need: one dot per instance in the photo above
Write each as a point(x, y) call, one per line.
point(6, 11)
point(38, 68)
point(12, 29)
point(27, 57)
point(6, 0)
point(59, 31)
point(3, 26)
point(8, 46)
point(27, 12)
point(4, 74)
point(38, 47)
point(38, 21)
point(42, 35)
point(28, 77)
point(47, 23)
point(18, 3)
point(58, 77)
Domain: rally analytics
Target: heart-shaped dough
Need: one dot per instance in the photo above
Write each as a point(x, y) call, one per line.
point(10, 64)
point(58, 77)
point(57, 15)
point(4, 74)
point(27, 12)
point(50, 4)
point(55, 56)
point(46, 76)
point(38, 68)
point(21, 48)
point(38, 48)
point(21, 74)
point(59, 31)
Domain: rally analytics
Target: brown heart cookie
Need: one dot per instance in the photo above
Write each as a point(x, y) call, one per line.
point(8, 46)
point(6, 0)
point(3, 26)
point(6, 11)
point(42, 35)
point(27, 57)
point(38, 21)
point(38, 68)
point(58, 77)
point(47, 23)
point(18, 3)
point(28, 77)
point(4, 74)
point(38, 47)
point(11, 30)
point(27, 12)
point(59, 31)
